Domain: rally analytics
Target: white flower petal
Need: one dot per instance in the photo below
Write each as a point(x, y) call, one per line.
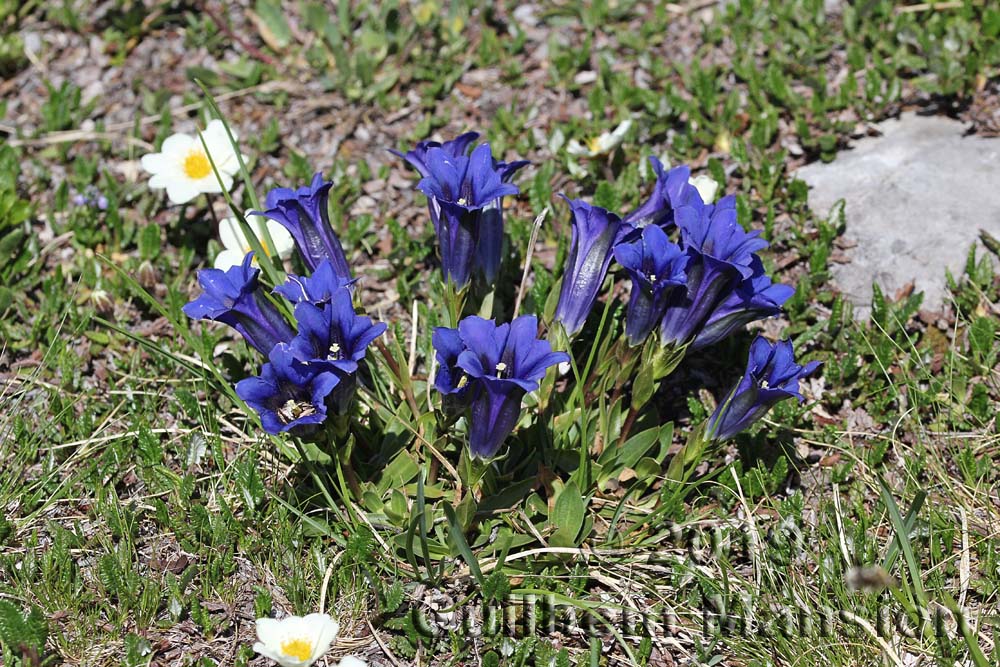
point(574, 147)
point(231, 235)
point(154, 163)
point(351, 661)
point(177, 144)
point(621, 130)
point(229, 258)
point(266, 650)
point(181, 192)
point(325, 631)
point(284, 244)
point(706, 186)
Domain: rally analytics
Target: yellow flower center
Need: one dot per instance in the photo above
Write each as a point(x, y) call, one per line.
point(595, 145)
point(263, 246)
point(300, 649)
point(196, 164)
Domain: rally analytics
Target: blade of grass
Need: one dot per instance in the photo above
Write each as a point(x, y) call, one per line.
point(463, 546)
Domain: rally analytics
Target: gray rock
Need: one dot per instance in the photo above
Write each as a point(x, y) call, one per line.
point(915, 200)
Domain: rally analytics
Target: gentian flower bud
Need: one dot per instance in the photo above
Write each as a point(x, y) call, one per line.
point(489, 249)
point(595, 232)
point(496, 367)
point(461, 191)
point(755, 298)
point(771, 376)
point(721, 253)
point(305, 215)
point(288, 393)
point(234, 297)
point(656, 267)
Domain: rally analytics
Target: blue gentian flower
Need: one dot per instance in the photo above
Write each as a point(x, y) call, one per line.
point(288, 393)
point(305, 215)
point(333, 337)
point(755, 298)
point(671, 191)
point(656, 267)
point(417, 157)
point(317, 289)
point(234, 297)
point(771, 376)
point(595, 232)
point(460, 189)
point(493, 370)
point(721, 256)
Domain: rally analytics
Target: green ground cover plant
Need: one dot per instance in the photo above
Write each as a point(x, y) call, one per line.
point(151, 516)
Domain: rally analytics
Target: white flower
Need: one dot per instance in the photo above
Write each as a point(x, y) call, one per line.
point(296, 641)
point(236, 246)
point(602, 145)
point(705, 185)
point(183, 167)
point(351, 661)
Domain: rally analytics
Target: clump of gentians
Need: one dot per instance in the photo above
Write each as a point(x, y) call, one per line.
point(311, 369)
point(487, 369)
point(691, 292)
point(465, 201)
point(771, 376)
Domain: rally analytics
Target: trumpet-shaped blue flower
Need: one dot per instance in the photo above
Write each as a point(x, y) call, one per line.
point(656, 267)
point(333, 337)
point(721, 256)
point(305, 215)
point(771, 376)
point(234, 297)
point(461, 191)
point(595, 232)
point(417, 157)
point(755, 298)
point(288, 393)
point(495, 366)
point(317, 289)
point(671, 191)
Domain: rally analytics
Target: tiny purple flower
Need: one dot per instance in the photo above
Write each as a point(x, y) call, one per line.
point(234, 297)
point(771, 376)
point(304, 213)
point(288, 393)
point(595, 232)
